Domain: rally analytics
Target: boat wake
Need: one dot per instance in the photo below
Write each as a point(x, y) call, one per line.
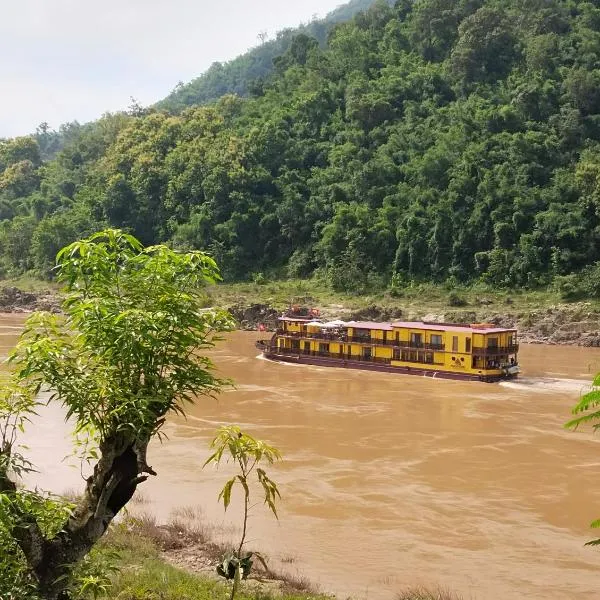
point(289, 364)
point(548, 385)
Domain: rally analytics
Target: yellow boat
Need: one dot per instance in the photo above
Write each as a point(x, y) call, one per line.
point(477, 351)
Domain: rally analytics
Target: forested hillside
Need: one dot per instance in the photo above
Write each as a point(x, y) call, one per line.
point(424, 142)
point(247, 73)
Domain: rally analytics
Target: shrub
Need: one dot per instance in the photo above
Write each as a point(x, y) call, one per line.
point(455, 300)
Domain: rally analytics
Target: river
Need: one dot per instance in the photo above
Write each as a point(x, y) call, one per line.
point(391, 480)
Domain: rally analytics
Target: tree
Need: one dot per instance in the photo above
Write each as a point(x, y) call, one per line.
point(486, 46)
point(588, 409)
point(122, 358)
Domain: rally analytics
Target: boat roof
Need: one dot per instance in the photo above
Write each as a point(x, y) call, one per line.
point(475, 328)
point(369, 325)
point(455, 327)
point(297, 318)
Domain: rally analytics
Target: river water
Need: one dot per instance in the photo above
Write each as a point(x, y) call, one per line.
point(391, 480)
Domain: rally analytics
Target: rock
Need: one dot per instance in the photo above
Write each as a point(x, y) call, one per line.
point(500, 320)
point(250, 317)
point(376, 313)
point(460, 316)
point(433, 318)
point(579, 327)
point(484, 301)
point(13, 299)
point(590, 340)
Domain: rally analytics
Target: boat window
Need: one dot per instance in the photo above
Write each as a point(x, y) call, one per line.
point(492, 342)
point(454, 343)
point(364, 334)
point(436, 340)
point(415, 340)
point(468, 345)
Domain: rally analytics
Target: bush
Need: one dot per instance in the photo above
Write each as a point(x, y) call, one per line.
point(397, 284)
point(259, 278)
point(569, 287)
point(455, 300)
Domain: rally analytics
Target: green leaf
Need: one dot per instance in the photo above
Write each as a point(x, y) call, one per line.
point(225, 494)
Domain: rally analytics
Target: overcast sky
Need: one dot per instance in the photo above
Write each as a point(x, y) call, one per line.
point(65, 60)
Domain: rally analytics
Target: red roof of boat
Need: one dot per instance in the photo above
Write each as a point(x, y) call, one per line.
point(296, 318)
point(454, 327)
point(368, 325)
point(450, 327)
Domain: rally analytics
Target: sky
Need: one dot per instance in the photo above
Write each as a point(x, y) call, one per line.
point(66, 60)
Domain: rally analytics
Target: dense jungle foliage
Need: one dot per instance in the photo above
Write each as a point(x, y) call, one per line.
point(431, 140)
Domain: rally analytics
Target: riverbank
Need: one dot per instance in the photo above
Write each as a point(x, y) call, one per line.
point(177, 561)
point(540, 316)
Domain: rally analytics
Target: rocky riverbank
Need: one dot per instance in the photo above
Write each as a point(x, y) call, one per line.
point(14, 300)
point(568, 324)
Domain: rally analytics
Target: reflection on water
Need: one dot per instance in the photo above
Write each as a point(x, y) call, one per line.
point(391, 480)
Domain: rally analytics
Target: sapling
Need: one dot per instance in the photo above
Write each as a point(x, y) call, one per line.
point(246, 453)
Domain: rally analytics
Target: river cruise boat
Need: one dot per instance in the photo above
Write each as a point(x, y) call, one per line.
point(478, 351)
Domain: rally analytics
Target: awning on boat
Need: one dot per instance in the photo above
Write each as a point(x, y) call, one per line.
point(336, 323)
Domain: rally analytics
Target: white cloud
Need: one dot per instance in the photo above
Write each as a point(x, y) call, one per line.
point(62, 60)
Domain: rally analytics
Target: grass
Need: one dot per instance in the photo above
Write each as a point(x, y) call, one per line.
point(413, 299)
point(153, 579)
point(421, 593)
point(416, 298)
point(141, 574)
point(177, 533)
point(30, 283)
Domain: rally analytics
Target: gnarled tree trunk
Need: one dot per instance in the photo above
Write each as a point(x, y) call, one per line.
point(121, 467)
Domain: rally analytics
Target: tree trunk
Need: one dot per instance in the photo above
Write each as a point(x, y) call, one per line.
point(116, 476)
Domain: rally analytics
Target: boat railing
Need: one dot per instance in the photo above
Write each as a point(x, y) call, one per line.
point(344, 357)
point(336, 355)
point(419, 345)
point(495, 350)
point(352, 339)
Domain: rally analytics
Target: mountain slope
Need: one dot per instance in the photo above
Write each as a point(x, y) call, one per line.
point(240, 74)
point(424, 142)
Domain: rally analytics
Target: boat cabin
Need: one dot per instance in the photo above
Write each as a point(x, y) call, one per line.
point(476, 351)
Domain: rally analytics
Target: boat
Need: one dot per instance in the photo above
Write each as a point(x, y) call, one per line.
point(476, 351)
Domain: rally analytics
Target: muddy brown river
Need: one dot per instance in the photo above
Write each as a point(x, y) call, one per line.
point(392, 480)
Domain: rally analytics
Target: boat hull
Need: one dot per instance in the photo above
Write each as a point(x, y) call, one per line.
point(271, 354)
